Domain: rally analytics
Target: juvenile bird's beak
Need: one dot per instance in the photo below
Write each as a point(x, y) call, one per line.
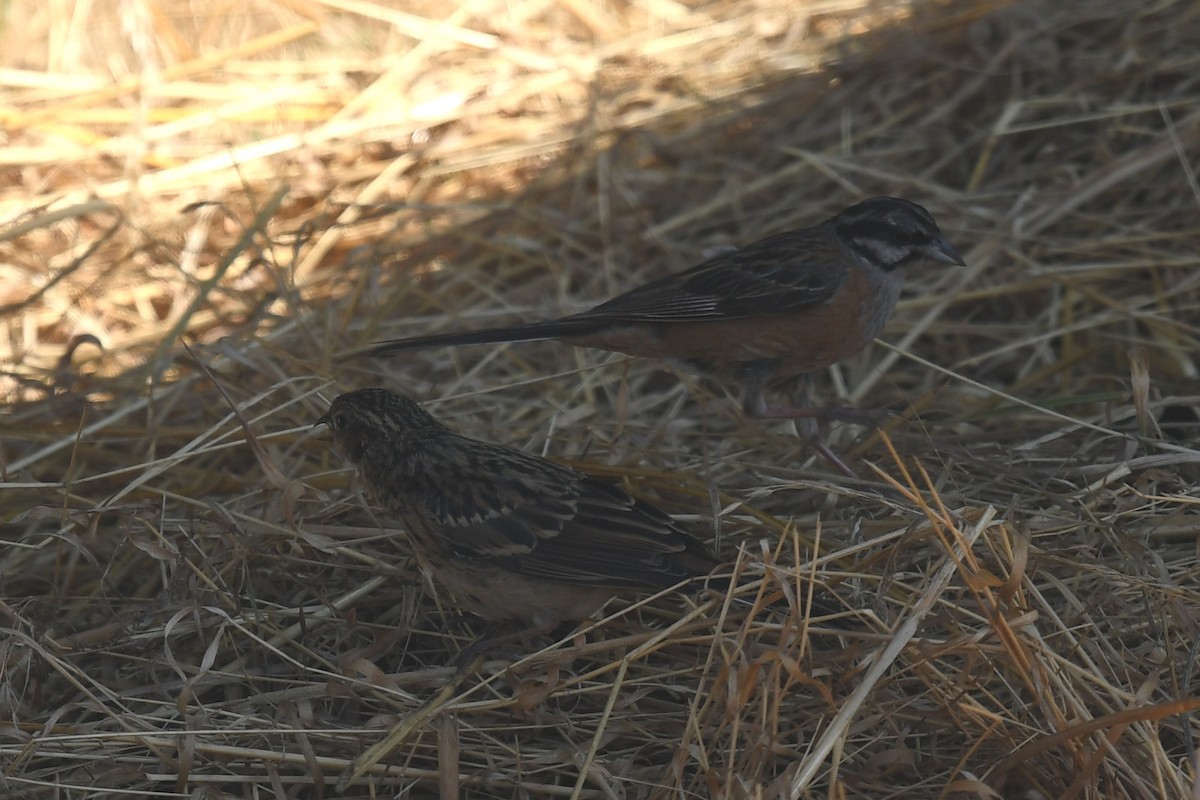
point(324, 420)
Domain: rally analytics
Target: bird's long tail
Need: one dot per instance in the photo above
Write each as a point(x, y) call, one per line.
point(551, 329)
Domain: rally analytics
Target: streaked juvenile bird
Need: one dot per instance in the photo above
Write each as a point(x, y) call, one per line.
point(513, 537)
point(779, 308)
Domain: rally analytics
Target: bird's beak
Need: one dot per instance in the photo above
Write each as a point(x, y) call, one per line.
point(324, 420)
point(943, 252)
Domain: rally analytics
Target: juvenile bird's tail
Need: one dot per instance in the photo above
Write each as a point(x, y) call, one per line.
point(551, 329)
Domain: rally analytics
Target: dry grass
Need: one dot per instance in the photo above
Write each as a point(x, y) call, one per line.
point(195, 602)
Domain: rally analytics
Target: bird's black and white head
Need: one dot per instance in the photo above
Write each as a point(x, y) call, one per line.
point(380, 421)
point(891, 233)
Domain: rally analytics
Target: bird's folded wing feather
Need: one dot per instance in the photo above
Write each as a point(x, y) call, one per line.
point(548, 521)
point(776, 275)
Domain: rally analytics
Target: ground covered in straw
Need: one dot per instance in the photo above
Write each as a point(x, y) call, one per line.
point(202, 215)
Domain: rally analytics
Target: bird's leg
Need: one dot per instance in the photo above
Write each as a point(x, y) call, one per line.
point(754, 377)
point(810, 429)
point(495, 637)
point(870, 417)
point(803, 408)
point(754, 403)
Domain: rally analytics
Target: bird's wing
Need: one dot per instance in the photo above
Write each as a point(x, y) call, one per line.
point(781, 274)
point(549, 521)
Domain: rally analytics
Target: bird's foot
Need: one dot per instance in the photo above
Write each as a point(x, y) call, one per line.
point(831, 456)
point(497, 640)
point(870, 417)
